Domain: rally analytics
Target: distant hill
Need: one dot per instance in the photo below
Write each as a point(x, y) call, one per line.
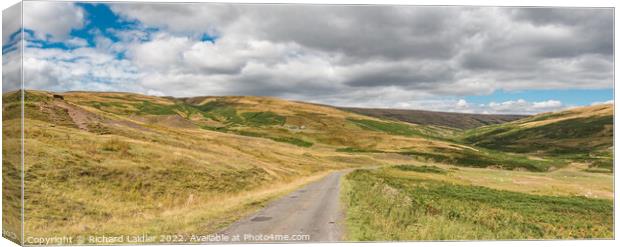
point(446, 119)
point(581, 133)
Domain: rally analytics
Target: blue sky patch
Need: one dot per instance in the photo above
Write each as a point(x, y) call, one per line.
point(209, 38)
point(566, 96)
point(101, 20)
point(14, 39)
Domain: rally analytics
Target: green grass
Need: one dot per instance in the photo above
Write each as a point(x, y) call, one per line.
point(598, 161)
point(218, 111)
point(404, 129)
point(147, 107)
point(100, 105)
point(580, 136)
point(12, 97)
point(486, 158)
point(585, 140)
point(603, 163)
point(292, 140)
point(391, 128)
point(285, 139)
point(549, 116)
point(226, 115)
point(359, 150)
point(387, 204)
point(263, 118)
point(213, 105)
point(471, 158)
point(223, 112)
point(35, 97)
point(423, 169)
point(186, 110)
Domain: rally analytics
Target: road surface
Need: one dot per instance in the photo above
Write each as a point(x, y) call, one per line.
point(312, 213)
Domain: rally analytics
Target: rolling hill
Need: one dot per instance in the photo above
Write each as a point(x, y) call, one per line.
point(124, 163)
point(446, 119)
point(584, 133)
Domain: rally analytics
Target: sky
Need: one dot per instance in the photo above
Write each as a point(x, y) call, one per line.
point(465, 59)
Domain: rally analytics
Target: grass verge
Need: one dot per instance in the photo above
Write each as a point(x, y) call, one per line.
point(389, 204)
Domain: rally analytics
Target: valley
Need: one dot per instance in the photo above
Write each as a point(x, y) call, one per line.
point(108, 163)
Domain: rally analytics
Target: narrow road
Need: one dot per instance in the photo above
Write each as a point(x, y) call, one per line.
point(311, 213)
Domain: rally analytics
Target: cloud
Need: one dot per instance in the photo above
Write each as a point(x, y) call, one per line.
point(52, 18)
point(519, 106)
point(411, 74)
point(549, 104)
point(415, 48)
point(611, 101)
point(11, 69)
point(11, 22)
point(461, 103)
point(79, 69)
point(182, 18)
point(162, 53)
point(522, 106)
point(373, 56)
point(154, 93)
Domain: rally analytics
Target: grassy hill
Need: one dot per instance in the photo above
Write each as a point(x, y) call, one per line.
point(446, 119)
point(582, 134)
point(124, 163)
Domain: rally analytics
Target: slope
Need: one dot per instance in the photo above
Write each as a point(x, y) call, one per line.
point(446, 119)
point(122, 163)
point(580, 134)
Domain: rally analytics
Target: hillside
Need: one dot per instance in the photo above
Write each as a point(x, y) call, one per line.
point(446, 119)
point(159, 161)
point(122, 163)
point(584, 133)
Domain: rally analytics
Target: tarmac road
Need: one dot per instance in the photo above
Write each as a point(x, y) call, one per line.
point(310, 214)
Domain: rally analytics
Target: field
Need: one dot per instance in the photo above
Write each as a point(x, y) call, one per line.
point(414, 202)
point(122, 163)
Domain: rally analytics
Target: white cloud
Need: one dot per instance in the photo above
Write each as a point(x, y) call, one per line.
point(522, 106)
point(547, 104)
point(154, 93)
point(11, 70)
point(11, 22)
point(381, 56)
point(611, 101)
point(181, 18)
point(76, 42)
point(461, 103)
point(53, 18)
point(78, 69)
point(162, 53)
point(445, 52)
